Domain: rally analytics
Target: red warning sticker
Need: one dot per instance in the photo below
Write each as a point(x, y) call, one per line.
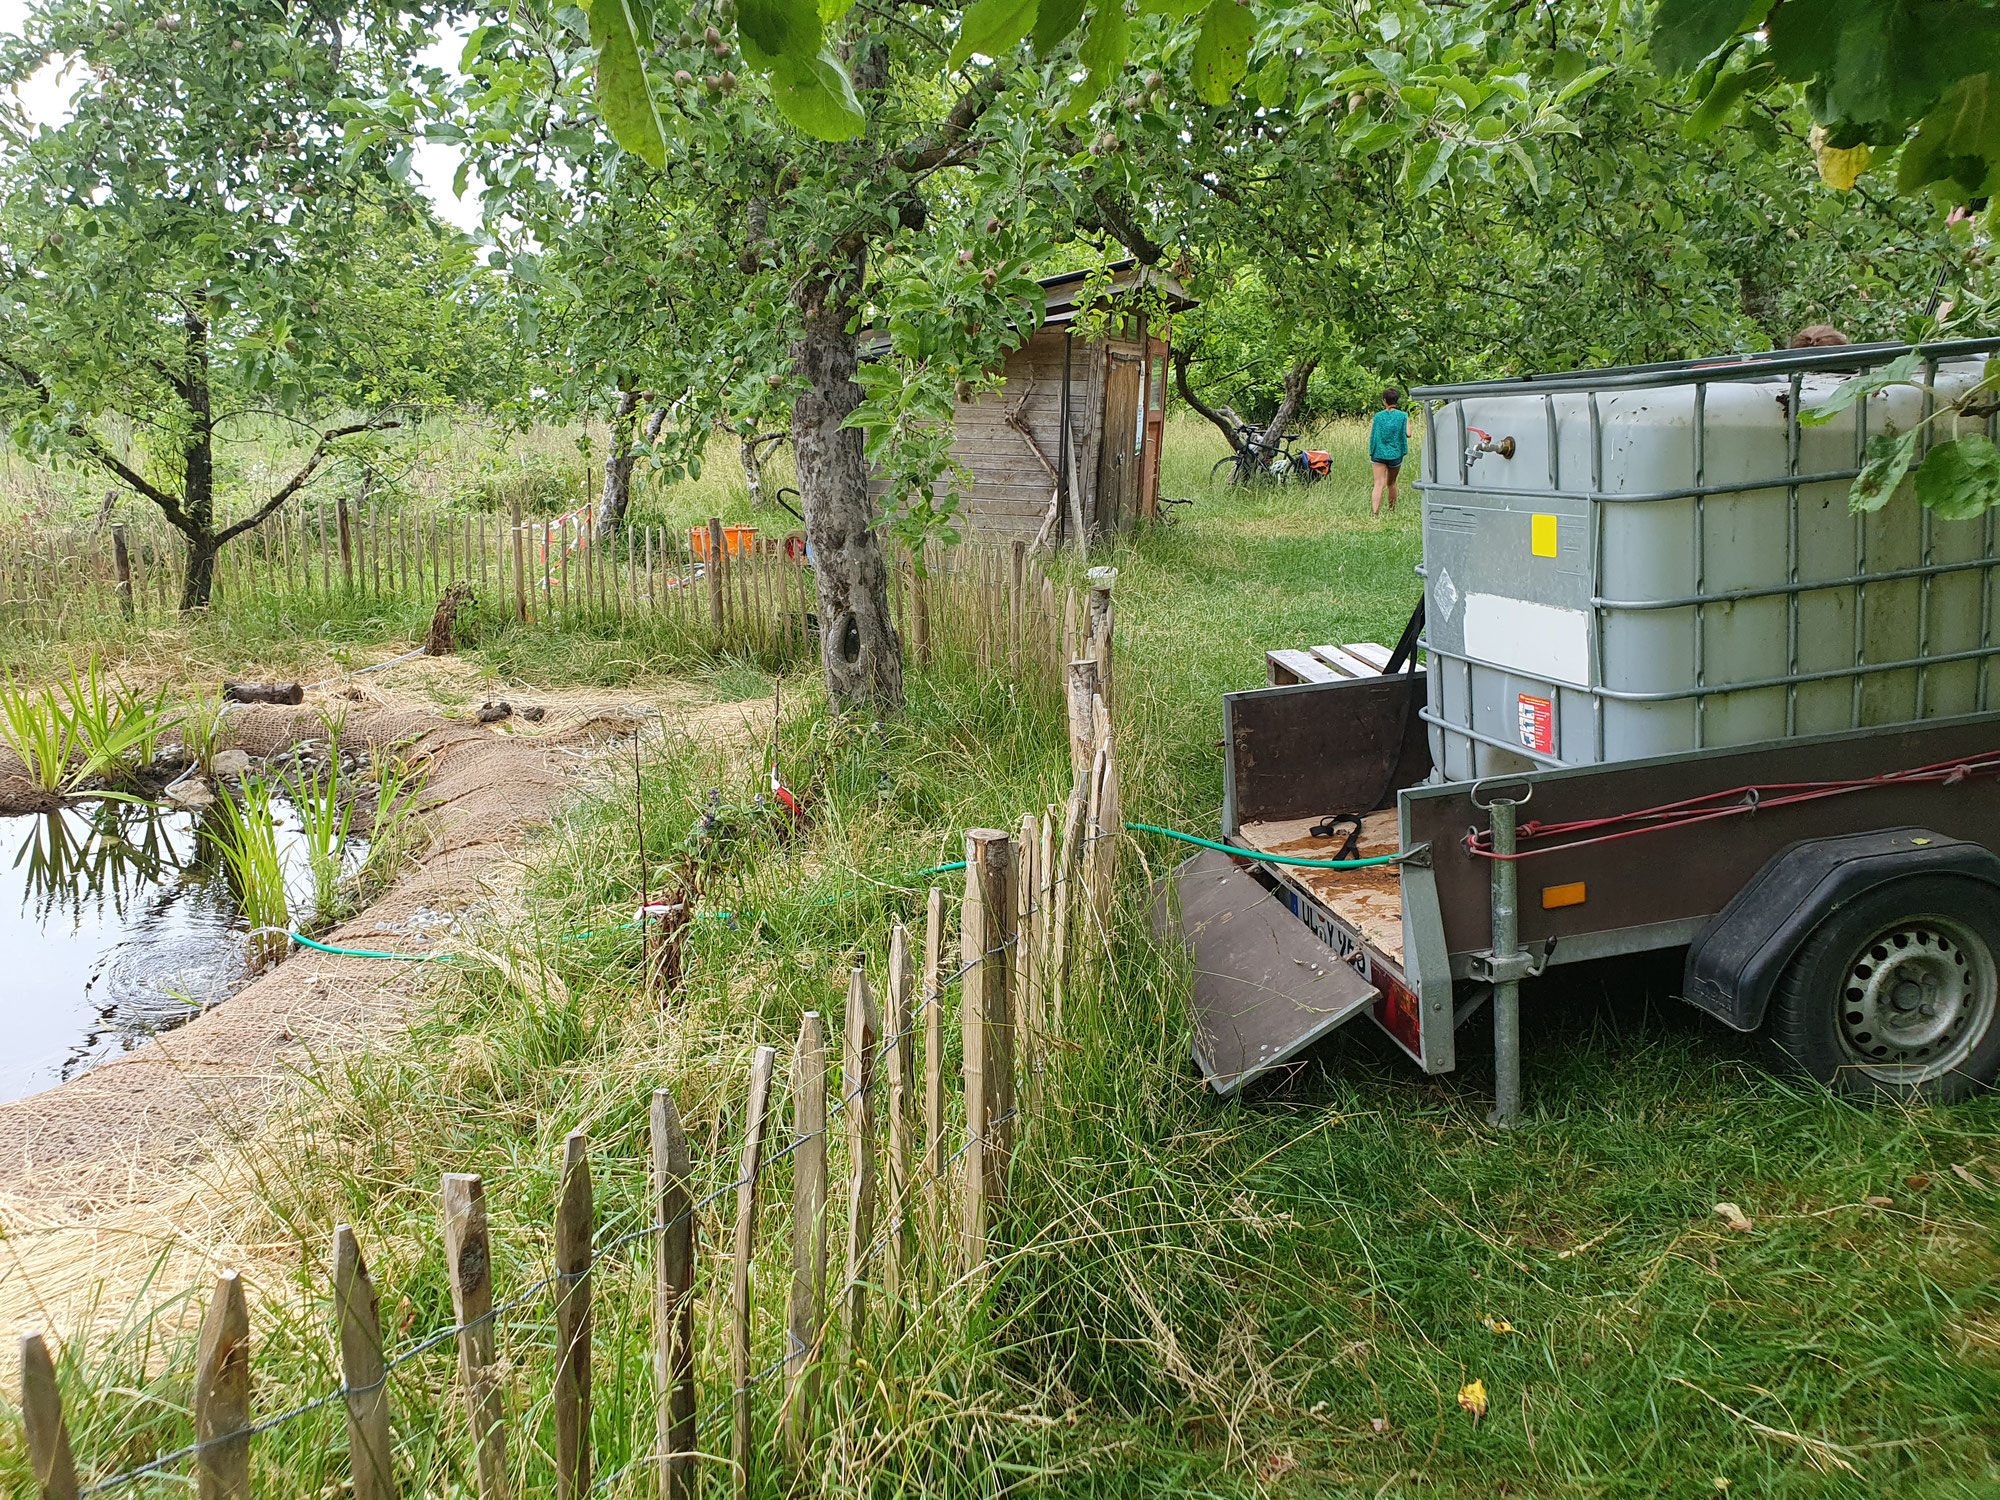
point(1538, 724)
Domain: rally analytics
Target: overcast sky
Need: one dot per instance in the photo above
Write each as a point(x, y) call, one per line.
point(45, 98)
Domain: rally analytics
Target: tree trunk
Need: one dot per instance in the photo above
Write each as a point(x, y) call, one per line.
point(198, 466)
point(859, 649)
point(1224, 417)
point(616, 498)
point(199, 581)
point(756, 448)
point(1288, 408)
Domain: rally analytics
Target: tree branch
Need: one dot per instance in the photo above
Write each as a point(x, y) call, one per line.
point(1223, 423)
point(1118, 218)
point(298, 481)
point(94, 449)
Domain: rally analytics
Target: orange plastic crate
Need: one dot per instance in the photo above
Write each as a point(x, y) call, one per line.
point(736, 540)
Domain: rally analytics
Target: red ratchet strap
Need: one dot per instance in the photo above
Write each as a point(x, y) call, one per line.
point(1737, 802)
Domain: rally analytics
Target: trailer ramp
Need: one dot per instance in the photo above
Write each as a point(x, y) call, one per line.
point(1265, 988)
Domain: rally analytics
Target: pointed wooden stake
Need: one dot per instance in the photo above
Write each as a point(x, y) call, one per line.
point(363, 1371)
point(42, 1415)
point(864, 1033)
point(222, 1394)
point(575, 1225)
point(743, 1439)
point(673, 1302)
point(806, 1316)
point(468, 1267)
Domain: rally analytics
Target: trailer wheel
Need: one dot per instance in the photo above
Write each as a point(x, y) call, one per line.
point(1897, 993)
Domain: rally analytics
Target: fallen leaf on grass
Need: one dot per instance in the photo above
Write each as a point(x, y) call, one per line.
point(1967, 1178)
point(1917, 1182)
point(1876, 1200)
point(1380, 1424)
point(1734, 1217)
point(1496, 1325)
point(1473, 1398)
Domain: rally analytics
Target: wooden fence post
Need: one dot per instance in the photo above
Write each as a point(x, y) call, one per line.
point(1098, 864)
point(742, 1439)
point(673, 1301)
point(520, 565)
point(932, 991)
point(222, 1394)
point(864, 1034)
point(1083, 730)
point(1027, 926)
point(805, 1317)
point(715, 575)
point(575, 1226)
point(121, 559)
point(988, 913)
point(357, 1316)
point(920, 606)
point(900, 1056)
point(468, 1266)
point(1098, 647)
point(49, 1456)
point(346, 544)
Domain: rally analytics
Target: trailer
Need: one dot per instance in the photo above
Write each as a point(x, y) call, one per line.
point(1669, 696)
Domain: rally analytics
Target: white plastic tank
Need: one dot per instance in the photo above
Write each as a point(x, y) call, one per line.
point(1629, 563)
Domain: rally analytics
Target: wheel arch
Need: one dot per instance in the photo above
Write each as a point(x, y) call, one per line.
point(1734, 965)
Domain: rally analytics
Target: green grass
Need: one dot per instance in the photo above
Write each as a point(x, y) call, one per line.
point(1281, 1296)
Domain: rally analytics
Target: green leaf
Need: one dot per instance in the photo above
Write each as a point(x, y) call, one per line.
point(1222, 51)
point(1180, 10)
point(1960, 480)
point(1887, 467)
point(1686, 31)
point(1722, 99)
point(624, 97)
point(773, 29)
point(1428, 163)
point(1054, 21)
point(1102, 54)
point(819, 98)
point(1583, 81)
point(1867, 383)
point(991, 28)
point(1274, 80)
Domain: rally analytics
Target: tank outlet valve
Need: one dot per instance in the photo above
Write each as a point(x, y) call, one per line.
point(1488, 444)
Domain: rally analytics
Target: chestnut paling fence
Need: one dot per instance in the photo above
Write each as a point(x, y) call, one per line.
point(725, 589)
point(915, 1232)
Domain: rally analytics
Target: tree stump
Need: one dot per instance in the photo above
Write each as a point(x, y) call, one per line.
point(445, 620)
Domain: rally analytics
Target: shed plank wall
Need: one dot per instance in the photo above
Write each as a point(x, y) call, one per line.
point(1010, 490)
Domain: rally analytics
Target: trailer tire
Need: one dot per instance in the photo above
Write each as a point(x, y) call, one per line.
point(1897, 993)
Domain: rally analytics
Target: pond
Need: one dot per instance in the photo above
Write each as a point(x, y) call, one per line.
point(118, 922)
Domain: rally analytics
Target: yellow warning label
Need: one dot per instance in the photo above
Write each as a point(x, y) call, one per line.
point(1542, 536)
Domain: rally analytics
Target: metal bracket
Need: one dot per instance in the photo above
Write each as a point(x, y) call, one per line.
point(1492, 968)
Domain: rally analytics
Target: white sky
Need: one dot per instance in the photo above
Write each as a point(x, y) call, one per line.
point(45, 100)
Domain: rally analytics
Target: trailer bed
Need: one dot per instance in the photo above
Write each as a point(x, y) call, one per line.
point(1370, 901)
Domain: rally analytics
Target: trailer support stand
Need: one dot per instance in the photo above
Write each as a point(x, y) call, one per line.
point(1504, 965)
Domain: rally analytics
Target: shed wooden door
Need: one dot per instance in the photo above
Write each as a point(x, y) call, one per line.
point(1118, 460)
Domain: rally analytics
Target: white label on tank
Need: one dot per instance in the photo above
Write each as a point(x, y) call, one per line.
point(1538, 639)
point(1447, 594)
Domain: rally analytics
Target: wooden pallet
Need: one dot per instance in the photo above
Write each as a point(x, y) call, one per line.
point(1326, 663)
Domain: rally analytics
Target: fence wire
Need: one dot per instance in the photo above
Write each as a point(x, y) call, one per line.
point(933, 996)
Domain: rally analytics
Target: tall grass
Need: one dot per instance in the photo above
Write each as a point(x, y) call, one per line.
point(325, 813)
point(1278, 1296)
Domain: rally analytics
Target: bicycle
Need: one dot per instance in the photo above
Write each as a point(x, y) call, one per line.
point(1279, 463)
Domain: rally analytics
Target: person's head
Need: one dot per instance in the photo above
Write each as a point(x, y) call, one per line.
point(1817, 336)
point(1391, 397)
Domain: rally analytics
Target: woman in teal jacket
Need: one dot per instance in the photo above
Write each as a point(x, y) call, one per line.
point(1388, 446)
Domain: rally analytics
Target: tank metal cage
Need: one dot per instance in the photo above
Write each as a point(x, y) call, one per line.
point(1792, 366)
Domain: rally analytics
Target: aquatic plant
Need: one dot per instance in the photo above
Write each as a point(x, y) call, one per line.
point(324, 815)
point(116, 729)
point(201, 731)
point(392, 831)
point(36, 726)
point(245, 832)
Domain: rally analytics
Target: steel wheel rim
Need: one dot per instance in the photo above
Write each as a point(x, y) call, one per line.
point(1916, 998)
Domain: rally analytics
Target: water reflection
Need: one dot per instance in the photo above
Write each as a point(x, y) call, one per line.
point(117, 922)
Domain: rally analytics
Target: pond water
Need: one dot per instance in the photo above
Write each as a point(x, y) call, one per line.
point(117, 922)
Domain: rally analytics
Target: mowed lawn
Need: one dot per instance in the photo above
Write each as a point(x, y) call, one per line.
point(1292, 1294)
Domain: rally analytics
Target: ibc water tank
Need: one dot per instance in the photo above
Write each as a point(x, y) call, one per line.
point(1625, 563)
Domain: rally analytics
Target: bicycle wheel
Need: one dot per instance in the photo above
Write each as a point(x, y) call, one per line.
point(1224, 471)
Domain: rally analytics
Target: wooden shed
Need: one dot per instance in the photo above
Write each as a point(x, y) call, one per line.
point(1071, 440)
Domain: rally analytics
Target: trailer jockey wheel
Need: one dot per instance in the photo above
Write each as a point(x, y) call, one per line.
point(1897, 992)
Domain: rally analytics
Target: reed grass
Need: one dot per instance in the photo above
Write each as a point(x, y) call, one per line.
point(244, 830)
point(325, 812)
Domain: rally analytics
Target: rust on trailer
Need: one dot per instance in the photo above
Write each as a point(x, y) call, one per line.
point(1682, 875)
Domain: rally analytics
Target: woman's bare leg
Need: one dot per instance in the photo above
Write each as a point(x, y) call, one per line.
point(1381, 479)
point(1393, 475)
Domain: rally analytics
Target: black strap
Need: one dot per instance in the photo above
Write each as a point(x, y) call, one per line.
point(1406, 644)
point(1329, 827)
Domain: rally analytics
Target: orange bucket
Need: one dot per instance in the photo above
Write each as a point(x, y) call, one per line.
point(736, 540)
